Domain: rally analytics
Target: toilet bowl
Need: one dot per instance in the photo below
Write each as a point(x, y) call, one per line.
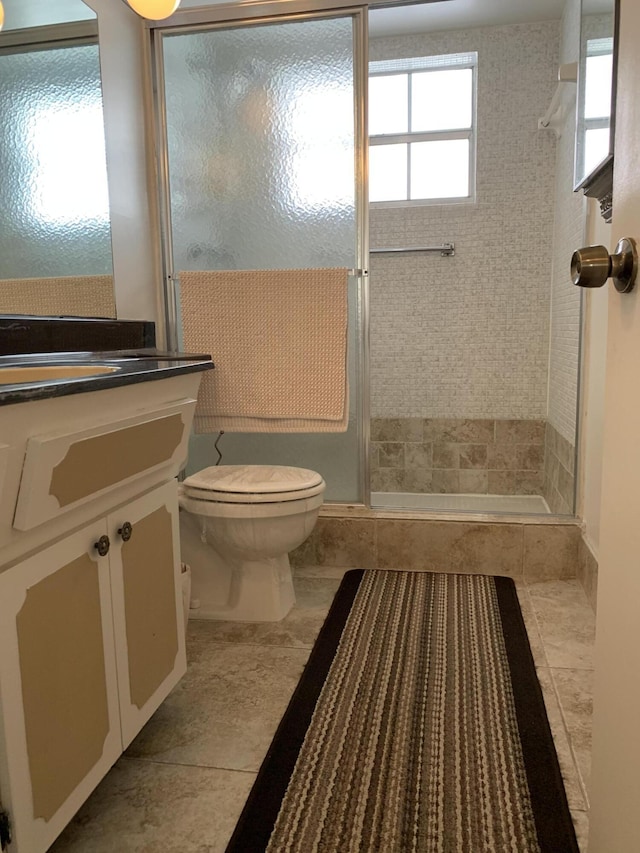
point(237, 526)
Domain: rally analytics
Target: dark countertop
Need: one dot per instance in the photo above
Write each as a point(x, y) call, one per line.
point(134, 366)
point(26, 334)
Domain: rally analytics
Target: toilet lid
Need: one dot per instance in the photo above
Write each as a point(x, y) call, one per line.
point(248, 482)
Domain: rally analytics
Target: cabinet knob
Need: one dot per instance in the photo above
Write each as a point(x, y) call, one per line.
point(125, 531)
point(593, 265)
point(102, 546)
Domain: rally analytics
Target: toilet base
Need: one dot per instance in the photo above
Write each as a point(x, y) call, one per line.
point(258, 591)
point(226, 585)
point(239, 562)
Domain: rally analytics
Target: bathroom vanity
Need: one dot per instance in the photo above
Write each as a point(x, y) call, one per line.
point(91, 619)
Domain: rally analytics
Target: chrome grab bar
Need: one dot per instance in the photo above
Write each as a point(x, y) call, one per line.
point(446, 250)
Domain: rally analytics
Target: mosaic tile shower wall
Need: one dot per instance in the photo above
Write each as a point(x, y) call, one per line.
point(468, 336)
point(474, 358)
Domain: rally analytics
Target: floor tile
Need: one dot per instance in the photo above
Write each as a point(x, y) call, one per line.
point(581, 825)
point(575, 691)
point(298, 629)
point(184, 780)
point(319, 572)
point(566, 622)
point(570, 775)
point(226, 709)
point(142, 807)
point(531, 624)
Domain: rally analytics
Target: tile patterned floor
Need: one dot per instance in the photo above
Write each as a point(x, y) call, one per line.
point(182, 783)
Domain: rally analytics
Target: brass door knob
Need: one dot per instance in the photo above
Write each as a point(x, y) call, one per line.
point(593, 265)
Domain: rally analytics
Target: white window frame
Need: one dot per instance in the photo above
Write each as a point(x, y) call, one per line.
point(406, 67)
point(597, 47)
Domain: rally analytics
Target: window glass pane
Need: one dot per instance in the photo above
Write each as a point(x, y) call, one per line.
point(388, 172)
point(388, 104)
point(442, 100)
point(597, 90)
point(440, 169)
point(596, 147)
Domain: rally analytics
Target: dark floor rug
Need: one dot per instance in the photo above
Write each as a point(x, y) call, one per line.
point(418, 726)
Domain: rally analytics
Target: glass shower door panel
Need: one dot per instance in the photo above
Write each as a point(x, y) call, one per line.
point(261, 152)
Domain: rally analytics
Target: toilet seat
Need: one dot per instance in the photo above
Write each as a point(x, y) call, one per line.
point(250, 484)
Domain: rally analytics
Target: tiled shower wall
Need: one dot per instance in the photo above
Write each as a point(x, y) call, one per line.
point(564, 338)
point(468, 337)
point(473, 456)
point(457, 456)
point(490, 336)
point(559, 471)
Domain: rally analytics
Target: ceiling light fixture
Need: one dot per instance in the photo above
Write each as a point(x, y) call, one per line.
point(154, 10)
point(1, 15)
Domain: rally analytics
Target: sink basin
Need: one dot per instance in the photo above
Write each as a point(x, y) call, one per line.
point(48, 373)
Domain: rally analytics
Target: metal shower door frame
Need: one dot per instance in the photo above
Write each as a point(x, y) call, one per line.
point(226, 16)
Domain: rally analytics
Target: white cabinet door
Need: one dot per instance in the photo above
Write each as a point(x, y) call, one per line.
point(147, 604)
point(59, 716)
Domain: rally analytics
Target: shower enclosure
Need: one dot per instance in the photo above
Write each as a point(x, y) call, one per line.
point(463, 364)
point(475, 353)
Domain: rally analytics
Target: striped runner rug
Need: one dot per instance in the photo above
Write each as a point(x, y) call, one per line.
point(418, 726)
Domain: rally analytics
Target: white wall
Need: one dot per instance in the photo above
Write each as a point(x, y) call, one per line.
point(41, 13)
point(134, 232)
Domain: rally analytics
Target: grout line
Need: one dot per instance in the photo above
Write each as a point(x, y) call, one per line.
point(537, 624)
point(574, 757)
point(376, 554)
point(581, 782)
point(258, 645)
point(155, 761)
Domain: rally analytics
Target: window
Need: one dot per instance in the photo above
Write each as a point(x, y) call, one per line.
point(422, 129)
point(597, 102)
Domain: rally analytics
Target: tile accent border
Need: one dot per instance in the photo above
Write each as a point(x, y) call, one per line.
point(521, 550)
point(457, 455)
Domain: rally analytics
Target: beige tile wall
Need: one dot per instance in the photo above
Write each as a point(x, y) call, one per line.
point(457, 455)
point(588, 572)
point(559, 471)
point(529, 551)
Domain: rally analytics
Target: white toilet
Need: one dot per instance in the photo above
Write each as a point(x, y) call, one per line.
point(237, 526)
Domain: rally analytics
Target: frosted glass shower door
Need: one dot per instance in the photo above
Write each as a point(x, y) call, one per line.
point(261, 141)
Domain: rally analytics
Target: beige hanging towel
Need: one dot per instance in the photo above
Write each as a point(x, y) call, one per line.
point(278, 339)
point(72, 296)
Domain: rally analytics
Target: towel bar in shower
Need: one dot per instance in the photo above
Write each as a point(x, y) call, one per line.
point(446, 250)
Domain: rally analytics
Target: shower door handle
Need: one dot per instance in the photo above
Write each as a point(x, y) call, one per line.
point(593, 265)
